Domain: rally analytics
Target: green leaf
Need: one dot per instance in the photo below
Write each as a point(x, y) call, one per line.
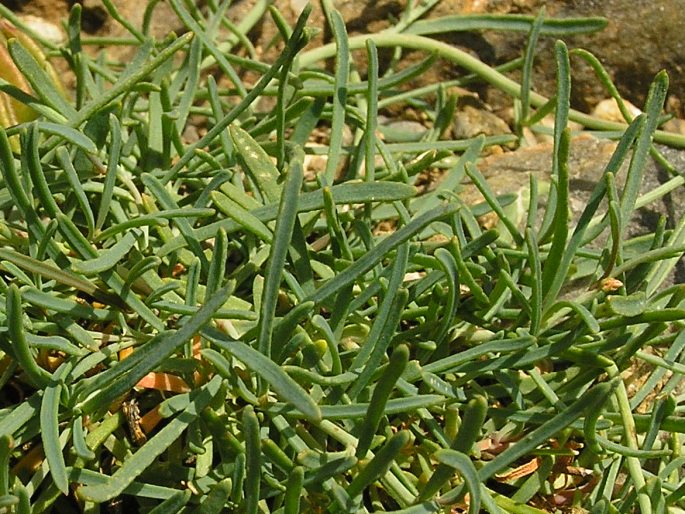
point(22, 351)
point(215, 276)
point(111, 173)
point(592, 399)
point(298, 39)
point(653, 106)
point(342, 70)
point(108, 258)
point(348, 193)
point(515, 22)
point(40, 81)
point(370, 259)
point(371, 111)
point(256, 163)
point(631, 305)
point(293, 491)
point(68, 134)
point(273, 374)
point(469, 431)
point(360, 410)
point(381, 394)
point(253, 454)
point(379, 464)
point(211, 48)
point(173, 504)
point(121, 378)
point(242, 217)
point(152, 219)
point(79, 439)
point(480, 182)
point(133, 466)
point(285, 223)
point(138, 71)
point(526, 75)
point(49, 428)
point(467, 470)
point(49, 271)
point(559, 225)
point(167, 202)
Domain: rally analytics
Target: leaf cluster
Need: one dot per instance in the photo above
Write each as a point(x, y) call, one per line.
point(208, 325)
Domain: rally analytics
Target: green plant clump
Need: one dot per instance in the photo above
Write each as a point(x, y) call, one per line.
point(211, 324)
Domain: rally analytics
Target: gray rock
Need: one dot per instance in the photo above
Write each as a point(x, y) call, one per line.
point(509, 173)
point(470, 122)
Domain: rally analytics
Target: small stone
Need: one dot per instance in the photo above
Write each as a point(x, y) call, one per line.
point(609, 285)
point(46, 29)
point(298, 6)
point(608, 110)
point(471, 122)
point(403, 131)
point(675, 125)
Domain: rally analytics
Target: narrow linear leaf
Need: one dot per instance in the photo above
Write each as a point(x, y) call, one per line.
point(598, 193)
point(560, 226)
point(215, 501)
point(467, 470)
point(173, 504)
point(111, 173)
point(285, 224)
point(480, 182)
point(653, 106)
point(529, 58)
point(152, 219)
point(40, 81)
point(69, 135)
point(253, 458)
point(121, 378)
point(217, 268)
point(146, 455)
point(370, 259)
point(297, 40)
point(359, 410)
point(76, 187)
point(348, 193)
point(15, 325)
point(469, 431)
point(221, 60)
point(9, 173)
point(49, 428)
point(379, 464)
point(256, 163)
point(6, 446)
point(139, 72)
point(167, 202)
point(381, 394)
point(501, 346)
point(371, 111)
point(381, 343)
point(592, 399)
point(79, 439)
point(342, 70)
point(515, 22)
point(108, 258)
point(293, 491)
point(272, 373)
point(242, 217)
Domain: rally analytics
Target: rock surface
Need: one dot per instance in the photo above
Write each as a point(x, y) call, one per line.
point(509, 172)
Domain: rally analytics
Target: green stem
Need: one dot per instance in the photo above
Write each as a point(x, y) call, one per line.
point(630, 437)
point(478, 67)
